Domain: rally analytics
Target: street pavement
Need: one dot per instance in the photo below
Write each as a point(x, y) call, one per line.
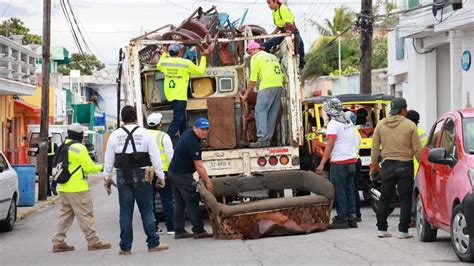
point(30, 243)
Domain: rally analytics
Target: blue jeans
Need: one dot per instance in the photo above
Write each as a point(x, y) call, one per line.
point(356, 188)
point(140, 192)
point(166, 196)
point(179, 118)
point(342, 176)
point(277, 40)
point(266, 112)
point(186, 198)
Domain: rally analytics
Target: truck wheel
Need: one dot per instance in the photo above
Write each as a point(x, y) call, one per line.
point(8, 224)
point(375, 206)
point(462, 243)
point(424, 230)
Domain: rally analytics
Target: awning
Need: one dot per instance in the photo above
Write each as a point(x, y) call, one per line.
point(27, 106)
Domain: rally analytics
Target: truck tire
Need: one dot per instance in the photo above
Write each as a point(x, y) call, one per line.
point(424, 230)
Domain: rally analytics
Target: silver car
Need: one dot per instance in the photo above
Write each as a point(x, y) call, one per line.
point(8, 195)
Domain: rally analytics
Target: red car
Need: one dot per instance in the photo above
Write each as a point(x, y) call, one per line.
point(444, 184)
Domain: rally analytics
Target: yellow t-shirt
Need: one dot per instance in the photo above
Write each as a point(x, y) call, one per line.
point(282, 15)
point(177, 71)
point(266, 68)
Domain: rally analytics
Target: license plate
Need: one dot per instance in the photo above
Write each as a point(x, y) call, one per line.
point(365, 160)
point(220, 165)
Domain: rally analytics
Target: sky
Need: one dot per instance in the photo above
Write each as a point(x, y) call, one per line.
point(108, 25)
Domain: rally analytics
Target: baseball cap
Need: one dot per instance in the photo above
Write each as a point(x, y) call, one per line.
point(396, 105)
point(154, 119)
point(253, 46)
point(175, 47)
point(414, 116)
point(202, 123)
point(75, 127)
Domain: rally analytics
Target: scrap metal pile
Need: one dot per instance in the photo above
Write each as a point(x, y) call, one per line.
point(203, 29)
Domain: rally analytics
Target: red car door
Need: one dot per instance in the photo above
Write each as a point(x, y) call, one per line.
point(447, 141)
point(430, 172)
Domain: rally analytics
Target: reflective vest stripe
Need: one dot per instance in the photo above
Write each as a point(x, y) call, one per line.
point(175, 65)
point(51, 150)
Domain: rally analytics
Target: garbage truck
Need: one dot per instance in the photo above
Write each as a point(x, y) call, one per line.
point(215, 95)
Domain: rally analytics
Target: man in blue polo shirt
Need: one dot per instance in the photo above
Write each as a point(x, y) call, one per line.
point(186, 161)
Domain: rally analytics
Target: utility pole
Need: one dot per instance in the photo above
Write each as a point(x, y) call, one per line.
point(119, 84)
point(43, 145)
point(339, 52)
point(365, 23)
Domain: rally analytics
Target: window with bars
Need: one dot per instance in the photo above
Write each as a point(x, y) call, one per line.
point(399, 46)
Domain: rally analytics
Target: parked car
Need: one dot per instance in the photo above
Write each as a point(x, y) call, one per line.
point(8, 195)
point(444, 184)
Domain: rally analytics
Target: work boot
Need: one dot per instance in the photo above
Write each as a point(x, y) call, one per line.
point(338, 225)
point(125, 253)
point(352, 223)
point(99, 245)
point(160, 247)
point(260, 143)
point(184, 234)
point(63, 247)
point(203, 234)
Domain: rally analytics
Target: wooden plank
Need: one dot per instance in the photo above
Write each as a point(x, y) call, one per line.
point(221, 114)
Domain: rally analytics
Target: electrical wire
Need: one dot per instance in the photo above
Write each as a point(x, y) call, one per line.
point(6, 9)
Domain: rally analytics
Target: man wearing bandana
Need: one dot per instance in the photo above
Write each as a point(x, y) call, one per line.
point(342, 148)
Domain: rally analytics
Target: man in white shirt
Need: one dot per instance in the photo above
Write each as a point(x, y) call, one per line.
point(132, 149)
point(342, 147)
point(166, 152)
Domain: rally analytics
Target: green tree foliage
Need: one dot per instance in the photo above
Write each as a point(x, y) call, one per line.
point(85, 63)
point(343, 18)
point(323, 58)
point(15, 26)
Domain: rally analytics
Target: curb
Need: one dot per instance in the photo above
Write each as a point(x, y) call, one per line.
point(40, 205)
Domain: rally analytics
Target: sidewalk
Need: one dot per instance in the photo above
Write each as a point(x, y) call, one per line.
point(24, 212)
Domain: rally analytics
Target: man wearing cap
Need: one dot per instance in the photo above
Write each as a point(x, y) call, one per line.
point(399, 140)
point(164, 188)
point(76, 200)
point(177, 71)
point(342, 149)
point(266, 68)
point(133, 151)
point(187, 160)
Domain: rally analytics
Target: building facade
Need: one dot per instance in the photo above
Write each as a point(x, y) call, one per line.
point(430, 56)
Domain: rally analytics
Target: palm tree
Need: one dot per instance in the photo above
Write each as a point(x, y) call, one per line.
point(343, 19)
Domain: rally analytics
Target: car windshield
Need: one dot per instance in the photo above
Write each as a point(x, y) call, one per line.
point(468, 126)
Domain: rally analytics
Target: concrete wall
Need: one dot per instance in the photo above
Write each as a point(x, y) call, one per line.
point(467, 77)
point(443, 79)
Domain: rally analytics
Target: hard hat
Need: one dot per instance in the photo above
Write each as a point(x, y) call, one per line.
point(154, 119)
point(75, 127)
point(175, 47)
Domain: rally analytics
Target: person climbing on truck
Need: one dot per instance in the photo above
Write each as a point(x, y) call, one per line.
point(177, 71)
point(266, 68)
point(284, 21)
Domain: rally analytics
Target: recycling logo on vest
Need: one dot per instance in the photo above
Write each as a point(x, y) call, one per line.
point(171, 84)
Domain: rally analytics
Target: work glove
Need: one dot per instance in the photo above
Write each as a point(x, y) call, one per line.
point(149, 174)
point(160, 183)
point(108, 183)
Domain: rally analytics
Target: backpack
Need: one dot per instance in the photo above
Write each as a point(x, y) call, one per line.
point(60, 171)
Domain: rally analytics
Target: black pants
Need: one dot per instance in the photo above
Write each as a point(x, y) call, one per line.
point(400, 174)
point(186, 198)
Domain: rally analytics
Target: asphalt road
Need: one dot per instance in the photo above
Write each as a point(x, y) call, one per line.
point(30, 243)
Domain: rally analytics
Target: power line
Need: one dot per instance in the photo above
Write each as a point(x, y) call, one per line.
point(6, 8)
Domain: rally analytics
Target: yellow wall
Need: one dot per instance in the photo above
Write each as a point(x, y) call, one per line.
point(36, 100)
point(6, 111)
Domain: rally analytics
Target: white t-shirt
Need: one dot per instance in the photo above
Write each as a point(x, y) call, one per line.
point(347, 142)
point(144, 142)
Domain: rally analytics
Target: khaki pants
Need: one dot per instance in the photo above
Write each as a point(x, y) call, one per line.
point(76, 204)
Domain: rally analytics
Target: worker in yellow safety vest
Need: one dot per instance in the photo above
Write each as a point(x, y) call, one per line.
point(284, 21)
point(52, 148)
point(166, 153)
point(177, 71)
point(414, 116)
point(266, 68)
point(75, 195)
